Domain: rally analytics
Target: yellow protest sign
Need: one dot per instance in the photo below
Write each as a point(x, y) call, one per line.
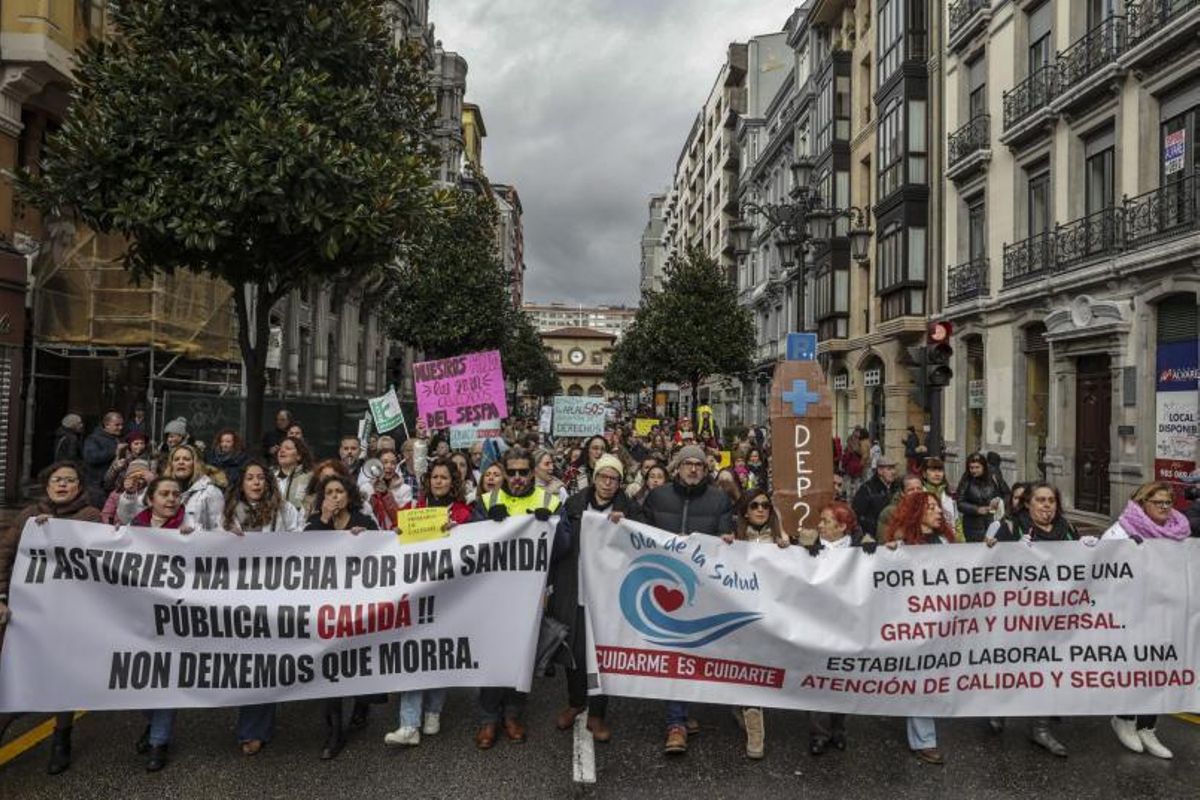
point(421, 524)
point(642, 427)
point(726, 459)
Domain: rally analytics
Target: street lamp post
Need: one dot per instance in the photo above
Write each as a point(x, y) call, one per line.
point(801, 223)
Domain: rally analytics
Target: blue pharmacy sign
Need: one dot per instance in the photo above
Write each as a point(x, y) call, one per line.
point(801, 347)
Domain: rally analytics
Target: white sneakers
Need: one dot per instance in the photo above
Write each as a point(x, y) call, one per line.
point(1139, 741)
point(755, 732)
point(403, 737)
point(433, 724)
point(1153, 746)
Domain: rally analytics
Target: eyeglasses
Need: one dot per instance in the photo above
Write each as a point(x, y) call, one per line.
point(603, 478)
point(1160, 503)
point(693, 464)
point(759, 506)
point(519, 473)
point(64, 481)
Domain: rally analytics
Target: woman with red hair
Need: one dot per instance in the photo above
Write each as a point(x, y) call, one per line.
point(919, 520)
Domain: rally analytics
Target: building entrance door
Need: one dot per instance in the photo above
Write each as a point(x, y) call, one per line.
point(1093, 418)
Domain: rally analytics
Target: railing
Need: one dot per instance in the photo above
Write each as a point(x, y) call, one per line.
point(1095, 235)
point(1096, 48)
point(1028, 259)
point(969, 139)
point(1030, 95)
point(961, 13)
point(1148, 17)
point(1166, 211)
point(967, 281)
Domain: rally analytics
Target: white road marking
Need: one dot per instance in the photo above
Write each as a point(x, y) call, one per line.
point(583, 752)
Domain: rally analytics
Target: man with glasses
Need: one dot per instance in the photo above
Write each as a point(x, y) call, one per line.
point(519, 495)
point(689, 504)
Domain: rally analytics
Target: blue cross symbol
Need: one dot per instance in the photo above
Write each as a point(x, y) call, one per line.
point(801, 398)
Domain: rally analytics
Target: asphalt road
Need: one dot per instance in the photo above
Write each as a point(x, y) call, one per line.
point(206, 763)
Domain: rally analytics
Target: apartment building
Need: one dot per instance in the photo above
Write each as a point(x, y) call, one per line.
point(613, 320)
point(653, 261)
point(1073, 231)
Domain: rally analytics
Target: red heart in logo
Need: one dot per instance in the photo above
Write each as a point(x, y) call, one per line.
point(668, 599)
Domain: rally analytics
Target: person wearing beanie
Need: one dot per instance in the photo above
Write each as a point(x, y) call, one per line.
point(68, 439)
point(128, 497)
point(175, 433)
point(133, 447)
point(603, 494)
point(689, 504)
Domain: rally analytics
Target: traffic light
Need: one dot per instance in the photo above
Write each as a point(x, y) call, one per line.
point(937, 355)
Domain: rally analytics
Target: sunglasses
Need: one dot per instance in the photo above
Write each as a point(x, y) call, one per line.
point(759, 505)
point(519, 473)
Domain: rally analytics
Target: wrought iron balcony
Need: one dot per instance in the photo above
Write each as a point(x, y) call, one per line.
point(1029, 259)
point(972, 139)
point(1088, 66)
point(966, 17)
point(1167, 211)
point(967, 281)
point(1023, 102)
point(1097, 234)
point(1157, 19)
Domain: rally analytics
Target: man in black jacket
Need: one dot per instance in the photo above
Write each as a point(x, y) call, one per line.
point(689, 504)
point(604, 495)
point(873, 496)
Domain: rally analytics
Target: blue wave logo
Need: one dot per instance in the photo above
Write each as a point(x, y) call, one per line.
point(656, 587)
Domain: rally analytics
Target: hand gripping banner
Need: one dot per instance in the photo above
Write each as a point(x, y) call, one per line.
point(141, 618)
point(939, 631)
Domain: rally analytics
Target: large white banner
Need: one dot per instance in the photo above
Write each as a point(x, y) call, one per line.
point(140, 618)
point(953, 630)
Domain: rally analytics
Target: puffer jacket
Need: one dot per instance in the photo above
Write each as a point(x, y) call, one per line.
point(974, 495)
point(683, 509)
point(203, 503)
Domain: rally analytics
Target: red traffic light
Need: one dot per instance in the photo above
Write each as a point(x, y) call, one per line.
point(940, 332)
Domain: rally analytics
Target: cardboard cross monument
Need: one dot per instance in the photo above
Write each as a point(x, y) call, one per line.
point(801, 445)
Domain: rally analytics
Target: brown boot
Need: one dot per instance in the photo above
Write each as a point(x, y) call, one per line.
point(601, 732)
point(485, 737)
point(514, 729)
point(676, 740)
point(566, 717)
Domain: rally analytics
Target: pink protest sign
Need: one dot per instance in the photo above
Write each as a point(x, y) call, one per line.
point(460, 390)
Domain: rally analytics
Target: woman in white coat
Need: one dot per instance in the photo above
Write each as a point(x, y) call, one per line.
point(203, 489)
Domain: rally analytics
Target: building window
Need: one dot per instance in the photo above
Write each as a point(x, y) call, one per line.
point(891, 38)
point(976, 228)
point(1041, 37)
point(917, 146)
point(1098, 176)
point(891, 149)
point(977, 88)
point(597, 359)
point(1040, 203)
point(901, 270)
point(556, 356)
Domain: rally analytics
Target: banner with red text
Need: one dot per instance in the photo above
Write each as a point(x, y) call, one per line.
point(938, 631)
point(142, 618)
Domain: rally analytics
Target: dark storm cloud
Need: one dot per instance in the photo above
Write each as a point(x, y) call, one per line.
point(587, 104)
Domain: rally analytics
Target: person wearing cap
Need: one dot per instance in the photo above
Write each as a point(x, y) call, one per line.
point(874, 495)
point(689, 504)
point(68, 439)
point(604, 495)
point(933, 475)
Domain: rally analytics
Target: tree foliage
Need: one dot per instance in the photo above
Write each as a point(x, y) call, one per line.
point(449, 293)
point(525, 359)
point(692, 330)
point(268, 144)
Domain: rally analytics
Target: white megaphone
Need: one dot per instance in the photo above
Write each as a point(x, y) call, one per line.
point(372, 469)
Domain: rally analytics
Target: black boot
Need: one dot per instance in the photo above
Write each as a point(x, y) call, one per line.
point(358, 715)
point(143, 742)
point(335, 740)
point(60, 751)
point(157, 758)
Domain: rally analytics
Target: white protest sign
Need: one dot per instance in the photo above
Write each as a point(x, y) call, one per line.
point(155, 619)
point(386, 411)
point(463, 436)
point(545, 419)
point(579, 416)
point(938, 631)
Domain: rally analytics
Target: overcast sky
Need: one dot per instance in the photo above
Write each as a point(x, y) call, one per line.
point(587, 104)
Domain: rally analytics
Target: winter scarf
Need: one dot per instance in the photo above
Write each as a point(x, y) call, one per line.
point(1136, 522)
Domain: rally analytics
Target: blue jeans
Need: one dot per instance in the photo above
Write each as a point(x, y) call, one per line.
point(496, 702)
point(256, 723)
point(677, 714)
point(162, 721)
point(413, 703)
point(922, 733)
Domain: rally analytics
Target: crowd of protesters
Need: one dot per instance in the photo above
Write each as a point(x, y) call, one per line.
point(671, 477)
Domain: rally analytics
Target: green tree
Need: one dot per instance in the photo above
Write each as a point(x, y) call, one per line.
point(694, 327)
point(449, 294)
point(269, 144)
point(525, 359)
point(635, 364)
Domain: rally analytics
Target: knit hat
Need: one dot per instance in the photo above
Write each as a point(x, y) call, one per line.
point(72, 421)
point(138, 465)
point(609, 461)
point(133, 436)
point(177, 426)
point(691, 452)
